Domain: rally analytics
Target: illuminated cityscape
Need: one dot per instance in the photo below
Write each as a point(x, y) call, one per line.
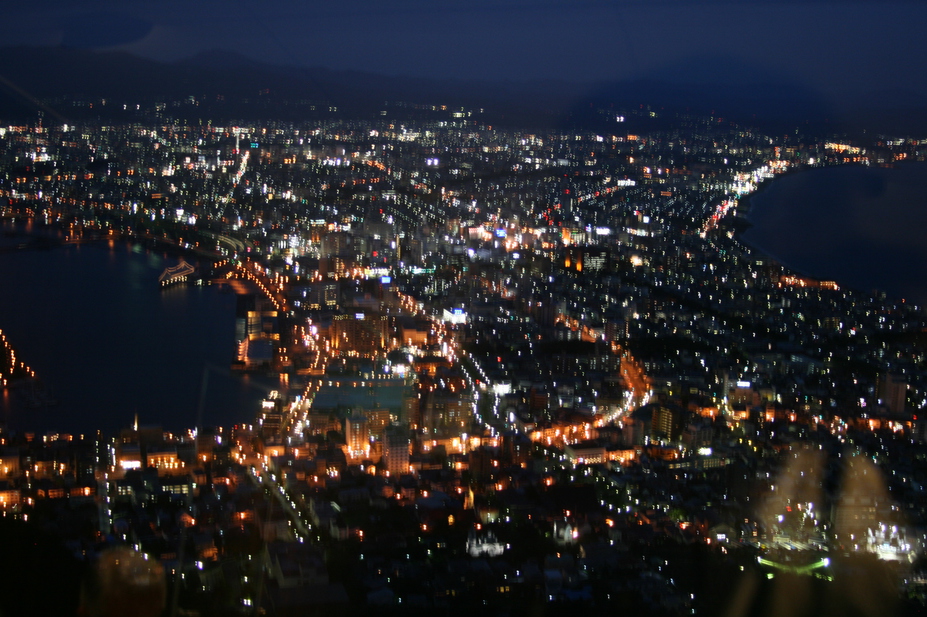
point(518, 370)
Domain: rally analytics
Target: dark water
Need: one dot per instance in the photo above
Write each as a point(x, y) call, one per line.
point(863, 227)
point(107, 342)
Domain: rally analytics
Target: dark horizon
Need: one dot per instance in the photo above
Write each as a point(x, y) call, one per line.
point(843, 66)
point(228, 84)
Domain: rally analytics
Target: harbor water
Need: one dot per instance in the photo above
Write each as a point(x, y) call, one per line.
point(859, 226)
point(107, 343)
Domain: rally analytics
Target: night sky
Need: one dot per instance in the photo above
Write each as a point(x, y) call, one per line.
point(835, 49)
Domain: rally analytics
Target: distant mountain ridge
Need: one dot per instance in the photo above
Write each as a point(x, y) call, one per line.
point(226, 83)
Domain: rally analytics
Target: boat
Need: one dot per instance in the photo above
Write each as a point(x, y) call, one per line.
point(173, 275)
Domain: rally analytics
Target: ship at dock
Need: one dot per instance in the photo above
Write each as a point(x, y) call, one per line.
point(175, 275)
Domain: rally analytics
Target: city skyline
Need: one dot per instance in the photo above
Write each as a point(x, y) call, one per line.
point(517, 368)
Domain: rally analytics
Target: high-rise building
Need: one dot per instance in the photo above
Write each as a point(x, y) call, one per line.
point(446, 414)
point(377, 421)
point(396, 445)
point(616, 330)
point(320, 295)
point(338, 244)
point(365, 334)
point(893, 392)
point(357, 436)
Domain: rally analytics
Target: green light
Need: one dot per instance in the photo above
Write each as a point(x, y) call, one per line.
point(805, 569)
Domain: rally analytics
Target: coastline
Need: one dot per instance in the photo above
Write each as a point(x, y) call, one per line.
point(848, 223)
point(742, 223)
point(745, 203)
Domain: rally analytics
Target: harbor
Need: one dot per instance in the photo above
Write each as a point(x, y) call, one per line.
point(151, 344)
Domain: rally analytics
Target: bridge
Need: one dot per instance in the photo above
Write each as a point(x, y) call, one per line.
point(176, 274)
